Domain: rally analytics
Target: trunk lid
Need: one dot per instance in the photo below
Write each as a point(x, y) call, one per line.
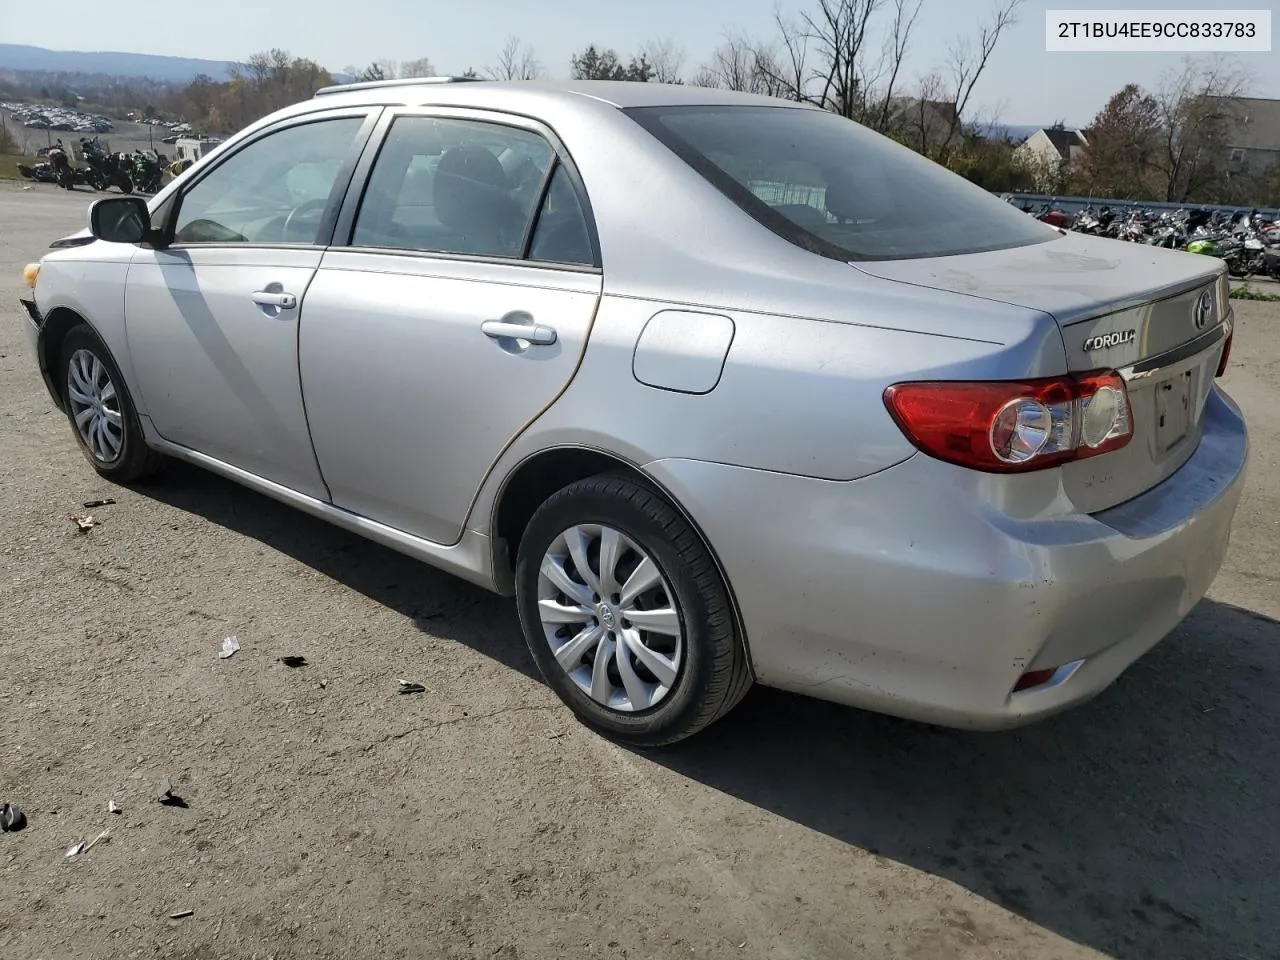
point(1158, 316)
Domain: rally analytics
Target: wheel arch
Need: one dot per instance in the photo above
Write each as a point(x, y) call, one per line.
point(535, 478)
point(57, 324)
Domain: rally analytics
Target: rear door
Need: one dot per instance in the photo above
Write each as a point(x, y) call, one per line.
point(454, 315)
point(212, 318)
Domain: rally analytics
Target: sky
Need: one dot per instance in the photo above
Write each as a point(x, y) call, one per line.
point(1023, 83)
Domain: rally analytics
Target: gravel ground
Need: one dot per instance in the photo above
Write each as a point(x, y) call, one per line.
point(324, 815)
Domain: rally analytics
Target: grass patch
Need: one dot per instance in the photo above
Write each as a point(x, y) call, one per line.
point(1246, 292)
point(9, 165)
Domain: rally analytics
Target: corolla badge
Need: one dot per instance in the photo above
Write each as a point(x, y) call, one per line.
point(1105, 341)
point(1202, 310)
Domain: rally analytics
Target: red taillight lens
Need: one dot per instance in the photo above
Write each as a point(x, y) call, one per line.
point(1033, 678)
point(1004, 427)
point(1226, 352)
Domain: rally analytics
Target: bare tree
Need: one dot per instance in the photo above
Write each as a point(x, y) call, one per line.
point(665, 59)
point(784, 66)
point(516, 62)
point(969, 61)
point(841, 57)
point(905, 14)
point(422, 67)
point(733, 66)
point(1196, 106)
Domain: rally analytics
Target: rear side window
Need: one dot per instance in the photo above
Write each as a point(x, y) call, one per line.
point(454, 186)
point(835, 187)
point(561, 235)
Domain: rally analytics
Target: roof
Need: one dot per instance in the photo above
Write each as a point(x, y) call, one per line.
point(1064, 140)
point(617, 93)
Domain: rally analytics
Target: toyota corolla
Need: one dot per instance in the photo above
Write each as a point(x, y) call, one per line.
point(722, 389)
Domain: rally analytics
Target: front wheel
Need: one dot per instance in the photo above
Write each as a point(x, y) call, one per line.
point(100, 410)
point(627, 615)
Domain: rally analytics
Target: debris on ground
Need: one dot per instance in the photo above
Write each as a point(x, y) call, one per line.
point(100, 838)
point(90, 504)
point(75, 850)
point(164, 794)
point(229, 647)
point(324, 684)
point(181, 914)
point(407, 686)
point(113, 807)
point(83, 524)
point(294, 662)
point(11, 818)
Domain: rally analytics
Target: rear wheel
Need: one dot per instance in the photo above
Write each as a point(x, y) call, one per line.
point(626, 614)
point(100, 410)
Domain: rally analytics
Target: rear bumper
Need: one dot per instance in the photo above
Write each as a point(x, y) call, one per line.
point(926, 591)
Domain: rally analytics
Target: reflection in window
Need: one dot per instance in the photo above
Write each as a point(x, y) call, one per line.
point(273, 191)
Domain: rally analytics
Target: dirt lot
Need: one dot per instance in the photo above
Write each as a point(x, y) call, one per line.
point(326, 816)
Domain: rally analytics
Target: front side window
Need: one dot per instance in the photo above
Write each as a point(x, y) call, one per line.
point(443, 185)
point(835, 187)
point(273, 191)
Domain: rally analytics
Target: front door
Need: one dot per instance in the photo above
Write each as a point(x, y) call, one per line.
point(456, 315)
point(212, 318)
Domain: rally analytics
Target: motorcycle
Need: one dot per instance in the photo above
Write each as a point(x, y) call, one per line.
point(108, 169)
point(66, 177)
point(148, 170)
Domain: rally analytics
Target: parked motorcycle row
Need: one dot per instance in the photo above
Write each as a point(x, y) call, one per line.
point(142, 170)
point(1248, 243)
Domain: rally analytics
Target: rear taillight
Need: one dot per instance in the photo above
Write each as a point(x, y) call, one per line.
point(1226, 350)
point(1009, 427)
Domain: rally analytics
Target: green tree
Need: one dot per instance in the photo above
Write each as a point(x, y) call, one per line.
point(596, 63)
point(1121, 158)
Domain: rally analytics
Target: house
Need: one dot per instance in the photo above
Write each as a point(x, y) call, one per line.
point(1049, 153)
point(1252, 137)
point(1054, 145)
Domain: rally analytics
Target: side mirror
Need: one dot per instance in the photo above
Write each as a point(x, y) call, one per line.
point(121, 220)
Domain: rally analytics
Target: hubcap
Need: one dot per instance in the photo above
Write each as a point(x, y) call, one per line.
point(610, 617)
point(95, 406)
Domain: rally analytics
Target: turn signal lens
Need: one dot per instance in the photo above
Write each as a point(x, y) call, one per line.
point(1004, 427)
point(29, 274)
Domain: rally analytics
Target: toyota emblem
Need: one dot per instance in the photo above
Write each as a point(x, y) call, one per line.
point(1202, 311)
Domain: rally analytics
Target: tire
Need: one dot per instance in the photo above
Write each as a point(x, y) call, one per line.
point(124, 183)
point(711, 674)
point(122, 454)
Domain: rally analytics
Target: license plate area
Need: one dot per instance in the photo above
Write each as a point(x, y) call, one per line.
point(1176, 408)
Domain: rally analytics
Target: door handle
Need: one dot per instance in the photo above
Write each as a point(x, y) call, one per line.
point(267, 298)
point(531, 332)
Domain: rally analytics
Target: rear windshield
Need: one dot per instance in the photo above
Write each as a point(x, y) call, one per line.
point(835, 187)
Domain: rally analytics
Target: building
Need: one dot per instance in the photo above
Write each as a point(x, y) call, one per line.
point(1049, 153)
point(193, 148)
point(1252, 139)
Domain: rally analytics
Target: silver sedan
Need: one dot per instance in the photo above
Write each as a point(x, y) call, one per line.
point(721, 389)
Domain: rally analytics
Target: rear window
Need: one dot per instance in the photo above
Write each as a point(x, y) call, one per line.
point(835, 187)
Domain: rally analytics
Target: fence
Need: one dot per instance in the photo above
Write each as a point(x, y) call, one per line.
point(1075, 204)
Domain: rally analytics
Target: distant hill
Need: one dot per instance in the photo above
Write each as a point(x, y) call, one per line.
point(15, 56)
